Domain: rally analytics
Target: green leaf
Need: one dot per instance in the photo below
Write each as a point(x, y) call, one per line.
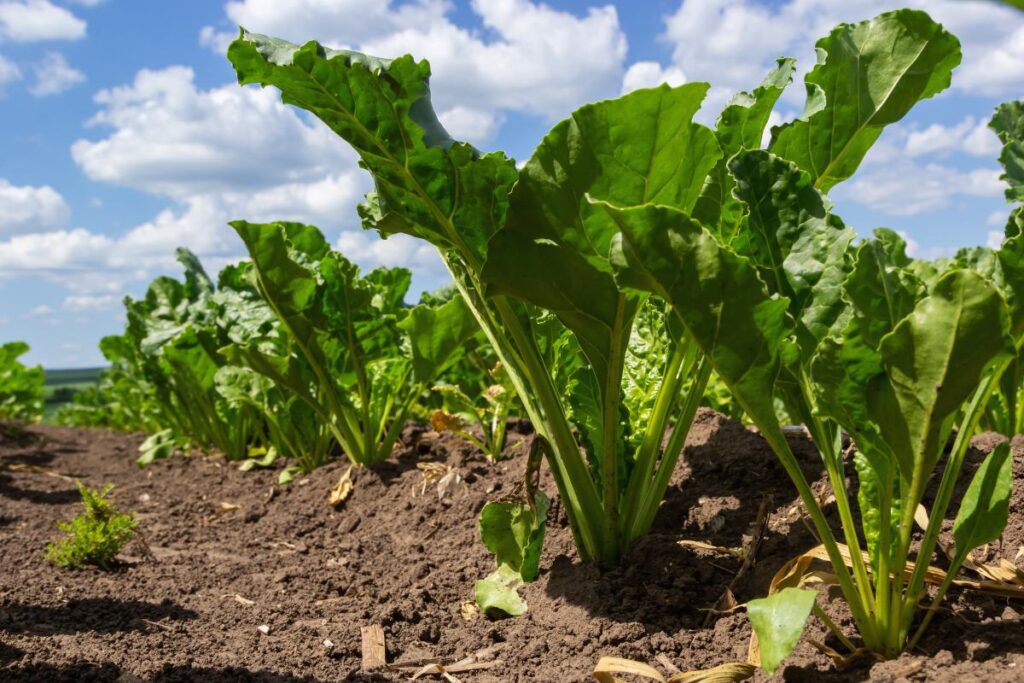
point(562, 281)
point(498, 592)
point(740, 126)
point(287, 475)
point(642, 147)
point(849, 381)
point(426, 184)
point(779, 622)
point(985, 507)
point(197, 282)
point(1008, 124)
point(872, 473)
point(390, 286)
point(288, 286)
point(799, 246)
point(881, 290)
point(585, 409)
point(156, 447)
point(21, 387)
point(342, 332)
point(514, 532)
point(934, 360)
point(1011, 262)
point(456, 400)
point(437, 333)
point(284, 371)
point(718, 295)
point(868, 76)
point(847, 369)
point(646, 356)
point(390, 392)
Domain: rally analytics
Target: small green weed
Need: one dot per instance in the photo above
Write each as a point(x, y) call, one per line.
point(94, 537)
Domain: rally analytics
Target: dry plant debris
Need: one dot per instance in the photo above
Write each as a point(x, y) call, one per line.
point(374, 647)
point(608, 667)
point(340, 492)
point(443, 476)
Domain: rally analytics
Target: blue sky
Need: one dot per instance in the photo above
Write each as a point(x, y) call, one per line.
point(125, 136)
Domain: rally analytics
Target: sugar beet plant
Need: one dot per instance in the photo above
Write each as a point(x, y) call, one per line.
point(163, 376)
point(21, 387)
point(348, 347)
point(637, 250)
point(1005, 412)
point(530, 256)
point(895, 352)
point(291, 354)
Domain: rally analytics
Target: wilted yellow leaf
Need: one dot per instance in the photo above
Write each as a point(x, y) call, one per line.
point(342, 490)
point(446, 422)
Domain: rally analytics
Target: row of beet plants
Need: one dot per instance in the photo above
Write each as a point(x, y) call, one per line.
point(21, 386)
point(292, 353)
point(638, 251)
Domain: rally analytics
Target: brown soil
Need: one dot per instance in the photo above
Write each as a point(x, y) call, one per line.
point(397, 556)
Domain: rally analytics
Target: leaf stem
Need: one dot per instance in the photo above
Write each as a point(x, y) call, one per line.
point(950, 474)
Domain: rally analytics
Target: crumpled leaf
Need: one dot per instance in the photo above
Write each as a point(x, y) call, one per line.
point(340, 492)
point(444, 477)
point(514, 532)
point(497, 593)
point(440, 421)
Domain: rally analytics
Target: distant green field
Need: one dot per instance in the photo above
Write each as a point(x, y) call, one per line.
point(62, 384)
point(72, 376)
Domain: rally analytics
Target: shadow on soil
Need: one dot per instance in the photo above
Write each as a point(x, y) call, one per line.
point(961, 643)
point(719, 489)
point(80, 672)
point(96, 615)
point(9, 653)
point(62, 496)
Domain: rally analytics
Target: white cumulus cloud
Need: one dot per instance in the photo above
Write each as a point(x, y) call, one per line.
point(649, 74)
point(903, 188)
point(733, 43)
point(173, 139)
point(217, 155)
point(9, 71)
point(54, 75)
point(530, 58)
point(998, 218)
point(38, 20)
point(471, 124)
point(970, 136)
point(27, 208)
point(227, 152)
point(88, 302)
point(370, 251)
point(338, 22)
